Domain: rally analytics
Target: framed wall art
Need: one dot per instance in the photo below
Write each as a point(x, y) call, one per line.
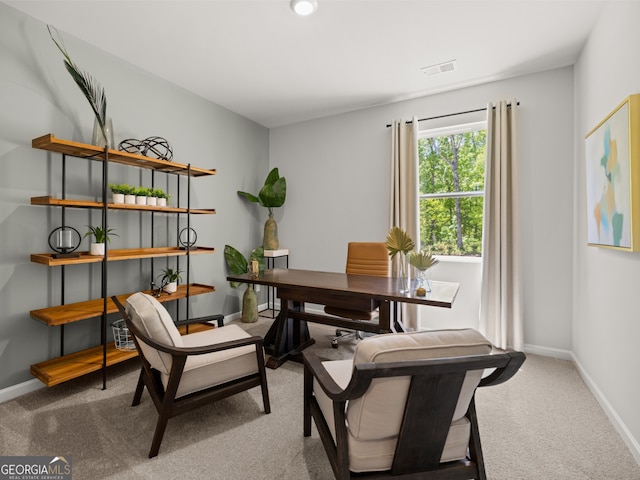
point(612, 151)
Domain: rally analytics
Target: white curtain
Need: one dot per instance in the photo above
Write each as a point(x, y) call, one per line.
point(404, 193)
point(501, 311)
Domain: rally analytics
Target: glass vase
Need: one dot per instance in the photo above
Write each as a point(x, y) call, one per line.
point(424, 280)
point(98, 138)
point(404, 274)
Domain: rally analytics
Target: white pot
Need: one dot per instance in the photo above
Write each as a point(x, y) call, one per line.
point(171, 287)
point(140, 200)
point(97, 249)
point(118, 198)
point(162, 202)
point(153, 201)
point(130, 199)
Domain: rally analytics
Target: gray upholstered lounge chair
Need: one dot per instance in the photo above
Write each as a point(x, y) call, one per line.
point(403, 407)
point(185, 372)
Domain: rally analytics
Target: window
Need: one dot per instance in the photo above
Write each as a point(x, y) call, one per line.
point(451, 188)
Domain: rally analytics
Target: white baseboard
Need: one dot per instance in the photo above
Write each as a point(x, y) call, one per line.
point(548, 352)
point(614, 418)
point(15, 391)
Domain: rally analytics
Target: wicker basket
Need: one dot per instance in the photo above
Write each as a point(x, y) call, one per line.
point(121, 336)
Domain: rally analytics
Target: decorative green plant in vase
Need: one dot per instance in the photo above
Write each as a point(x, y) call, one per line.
point(272, 195)
point(92, 90)
point(169, 279)
point(422, 261)
point(399, 242)
point(237, 265)
point(100, 235)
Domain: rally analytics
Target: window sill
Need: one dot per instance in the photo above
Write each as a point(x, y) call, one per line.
point(458, 259)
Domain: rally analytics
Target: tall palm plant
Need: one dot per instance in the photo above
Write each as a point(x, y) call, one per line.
point(92, 90)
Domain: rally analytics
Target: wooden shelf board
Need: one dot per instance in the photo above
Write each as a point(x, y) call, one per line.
point(62, 369)
point(74, 312)
point(52, 144)
point(117, 255)
point(58, 202)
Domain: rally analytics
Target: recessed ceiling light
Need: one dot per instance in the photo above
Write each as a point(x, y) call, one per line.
point(304, 7)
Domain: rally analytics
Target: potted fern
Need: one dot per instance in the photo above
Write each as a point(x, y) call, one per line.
point(100, 235)
point(238, 264)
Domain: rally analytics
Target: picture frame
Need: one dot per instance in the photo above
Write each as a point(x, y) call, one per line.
point(612, 154)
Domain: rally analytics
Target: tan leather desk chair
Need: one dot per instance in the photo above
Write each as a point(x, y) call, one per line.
point(363, 258)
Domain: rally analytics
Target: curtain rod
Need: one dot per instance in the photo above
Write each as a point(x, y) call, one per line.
point(409, 122)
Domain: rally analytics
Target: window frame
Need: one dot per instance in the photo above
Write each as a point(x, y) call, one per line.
point(438, 132)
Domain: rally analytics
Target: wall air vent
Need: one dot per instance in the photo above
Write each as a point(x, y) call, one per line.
point(439, 68)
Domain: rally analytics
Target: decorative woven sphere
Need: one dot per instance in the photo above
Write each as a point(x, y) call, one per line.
point(131, 145)
point(157, 147)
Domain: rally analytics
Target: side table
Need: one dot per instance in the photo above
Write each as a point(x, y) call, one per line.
point(270, 257)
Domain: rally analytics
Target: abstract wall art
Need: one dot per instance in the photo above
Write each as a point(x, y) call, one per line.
point(612, 151)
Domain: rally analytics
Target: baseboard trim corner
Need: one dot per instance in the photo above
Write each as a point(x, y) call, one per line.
point(15, 391)
point(548, 352)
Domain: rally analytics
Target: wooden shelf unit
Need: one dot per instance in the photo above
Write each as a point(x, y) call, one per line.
point(67, 367)
point(58, 202)
point(52, 144)
point(75, 312)
point(62, 369)
point(118, 255)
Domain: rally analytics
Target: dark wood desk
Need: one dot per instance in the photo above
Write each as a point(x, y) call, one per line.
point(289, 334)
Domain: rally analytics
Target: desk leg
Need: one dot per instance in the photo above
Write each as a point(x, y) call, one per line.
point(287, 337)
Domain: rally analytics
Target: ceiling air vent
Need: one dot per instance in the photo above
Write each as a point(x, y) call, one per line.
point(439, 68)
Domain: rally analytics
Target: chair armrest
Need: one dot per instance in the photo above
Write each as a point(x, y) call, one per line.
point(358, 384)
point(502, 374)
point(204, 349)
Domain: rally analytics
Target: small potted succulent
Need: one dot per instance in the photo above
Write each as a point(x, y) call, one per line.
point(154, 196)
point(100, 235)
point(141, 195)
point(119, 191)
point(169, 279)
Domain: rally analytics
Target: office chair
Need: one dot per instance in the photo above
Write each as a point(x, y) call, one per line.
point(363, 258)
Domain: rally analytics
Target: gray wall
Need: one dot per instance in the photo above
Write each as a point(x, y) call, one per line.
point(606, 303)
point(38, 96)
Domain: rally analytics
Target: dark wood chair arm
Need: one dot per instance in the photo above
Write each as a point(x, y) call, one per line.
point(204, 349)
point(358, 385)
point(502, 374)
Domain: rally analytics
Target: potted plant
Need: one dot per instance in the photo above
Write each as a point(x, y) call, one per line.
point(272, 195)
point(155, 194)
point(141, 195)
point(399, 242)
point(422, 261)
point(119, 191)
point(129, 194)
point(237, 264)
point(169, 279)
point(101, 235)
point(163, 200)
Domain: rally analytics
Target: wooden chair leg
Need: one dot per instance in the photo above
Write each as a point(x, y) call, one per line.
point(139, 389)
point(161, 426)
point(308, 391)
point(475, 447)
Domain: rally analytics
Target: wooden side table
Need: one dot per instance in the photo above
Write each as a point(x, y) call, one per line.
point(270, 257)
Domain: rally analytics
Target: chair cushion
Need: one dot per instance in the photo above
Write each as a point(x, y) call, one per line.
point(152, 319)
point(373, 423)
point(207, 370)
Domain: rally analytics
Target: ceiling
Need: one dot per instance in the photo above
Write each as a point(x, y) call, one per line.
point(260, 60)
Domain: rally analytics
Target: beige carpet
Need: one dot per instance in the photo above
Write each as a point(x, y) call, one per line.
point(542, 424)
